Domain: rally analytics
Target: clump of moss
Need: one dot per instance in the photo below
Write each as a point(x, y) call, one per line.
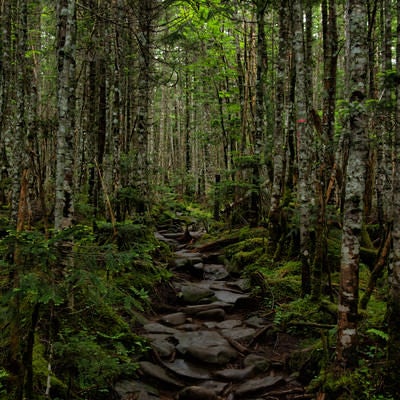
point(244, 254)
point(246, 245)
point(303, 314)
point(283, 290)
point(242, 259)
point(276, 284)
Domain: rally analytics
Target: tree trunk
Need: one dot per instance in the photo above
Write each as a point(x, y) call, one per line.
point(19, 159)
point(91, 144)
point(5, 47)
point(279, 156)
point(304, 147)
point(66, 36)
point(259, 125)
point(325, 148)
point(384, 123)
point(330, 49)
point(356, 70)
point(4, 16)
point(146, 15)
point(393, 304)
point(116, 119)
point(187, 130)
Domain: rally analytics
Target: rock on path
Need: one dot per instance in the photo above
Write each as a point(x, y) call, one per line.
point(214, 346)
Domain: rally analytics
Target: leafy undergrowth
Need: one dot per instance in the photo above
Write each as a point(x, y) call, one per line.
point(80, 309)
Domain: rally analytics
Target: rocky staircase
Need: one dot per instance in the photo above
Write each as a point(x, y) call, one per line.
point(214, 342)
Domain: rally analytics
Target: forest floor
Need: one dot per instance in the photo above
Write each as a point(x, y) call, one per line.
point(210, 338)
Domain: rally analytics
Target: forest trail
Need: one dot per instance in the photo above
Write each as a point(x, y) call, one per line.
point(210, 340)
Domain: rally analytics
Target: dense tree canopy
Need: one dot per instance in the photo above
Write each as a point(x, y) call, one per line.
point(275, 114)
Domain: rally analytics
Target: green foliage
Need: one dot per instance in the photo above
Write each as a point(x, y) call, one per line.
point(83, 210)
point(390, 78)
point(375, 314)
point(95, 359)
point(3, 376)
point(200, 218)
point(246, 161)
point(364, 383)
point(87, 306)
point(334, 248)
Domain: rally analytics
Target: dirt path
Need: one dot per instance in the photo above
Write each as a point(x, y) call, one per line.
point(211, 340)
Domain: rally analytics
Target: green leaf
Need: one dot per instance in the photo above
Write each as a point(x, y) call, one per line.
point(379, 333)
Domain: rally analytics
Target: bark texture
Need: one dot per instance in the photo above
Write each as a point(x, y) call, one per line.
point(357, 62)
point(261, 65)
point(66, 37)
point(393, 306)
point(304, 145)
point(279, 148)
point(146, 15)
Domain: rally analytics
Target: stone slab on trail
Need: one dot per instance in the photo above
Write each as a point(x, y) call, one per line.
point(234, 375)
point(158, 373)
point(217, 386)
point(257, 385)
point(155, 327)
point(186, 258)
point(197, 393)
point(188, 369)
point(215, 272)
point(127, 387)
point(160, 343)
point(206, 346)
point(174, 319)
point(230, 297)
point(229, 324)
point(215, 314)
point(240, 334)
point(193, 310)
point(195, 294)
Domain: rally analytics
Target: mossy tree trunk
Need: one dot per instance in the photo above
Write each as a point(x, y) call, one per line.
point(356, 71)
point(384, 125)
point(19, 361)
point(393, 305)
point(5, 87)
point(259, 123)
point(279, 149)
point(305, 154)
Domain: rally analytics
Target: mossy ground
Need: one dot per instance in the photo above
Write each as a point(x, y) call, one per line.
point(313, 321)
